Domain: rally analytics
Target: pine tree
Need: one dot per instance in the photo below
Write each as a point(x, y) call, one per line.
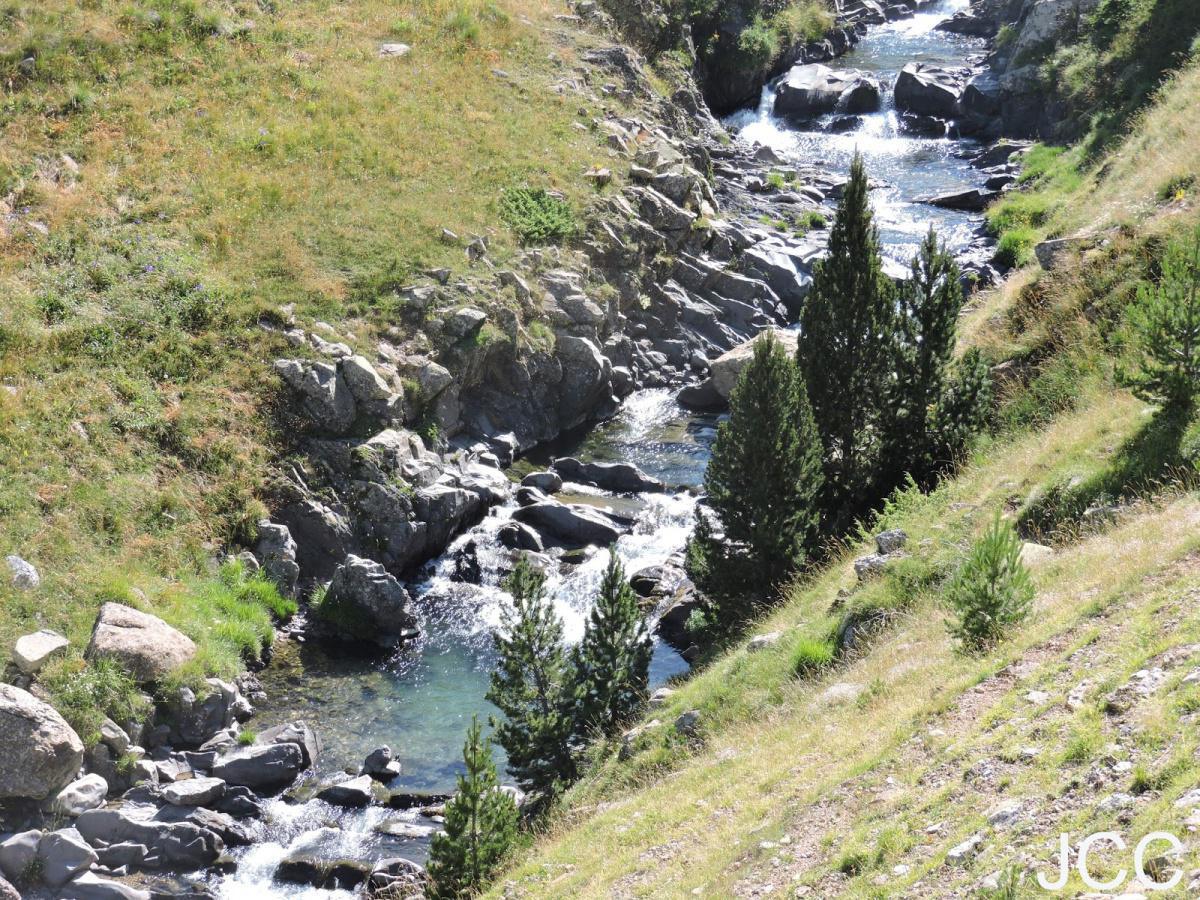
point(764, 477)
point(992, 592)
point(481, 824)
point(962, 411)
point(927, 308)
point(1166, 319)
point(845, 351)
point(528, 686)
point(611, 664)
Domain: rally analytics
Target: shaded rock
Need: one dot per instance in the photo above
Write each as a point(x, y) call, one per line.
point(268, 767)
point(928, 90)
point(79, 796)
point(518, 536)
point(366, 602)
point(39, 752)
point(239, 801)
point(380, 765)
point(890, 541)
point(326, 399)
point(298, 733)
point(144, 644)
point(623, 478)
point(193, 720)
point(17, 853)
point(353, 793)
point(63, 855)
point(32, 651)
point(338, 874)
point(968, 199)
point(688, 723)
point(276, 553)
point(572, 525)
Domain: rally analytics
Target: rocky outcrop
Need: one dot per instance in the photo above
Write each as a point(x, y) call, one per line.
point(365, 602)
point(39, 752)
point(143, 644)
point(929, 90)
point(808, 91)
point(275, 552)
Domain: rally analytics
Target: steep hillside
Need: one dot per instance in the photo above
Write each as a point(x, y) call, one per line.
point(776, 771)
point(175, 175)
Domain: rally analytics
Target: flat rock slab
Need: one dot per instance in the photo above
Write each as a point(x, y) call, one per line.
point(32, 651)
point(194, 792)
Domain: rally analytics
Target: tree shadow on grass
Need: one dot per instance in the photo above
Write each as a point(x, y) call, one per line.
point(1147, 462)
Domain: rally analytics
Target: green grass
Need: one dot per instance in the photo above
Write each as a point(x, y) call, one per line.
point(226, 171)
point(87, 693)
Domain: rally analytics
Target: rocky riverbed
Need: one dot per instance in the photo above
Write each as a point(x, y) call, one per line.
point(468, 434)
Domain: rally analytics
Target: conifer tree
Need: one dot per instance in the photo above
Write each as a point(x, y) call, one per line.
point(481, 824)
point(763, 480)
point(927, 308)
point(528, 686)
point(1166, 319)
point(845, 351)
point(963, 408)
point(611, 665)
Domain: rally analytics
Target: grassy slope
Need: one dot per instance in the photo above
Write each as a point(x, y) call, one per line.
point(791, 786)
point(226, 171)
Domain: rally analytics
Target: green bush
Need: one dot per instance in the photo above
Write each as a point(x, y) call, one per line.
point(758, 45)
point(1015, 248)
point(992, 592)
point(85, 694)
point(537, 216)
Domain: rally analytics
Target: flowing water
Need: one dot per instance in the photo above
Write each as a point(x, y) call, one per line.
point(420, 701)
point(908, 166)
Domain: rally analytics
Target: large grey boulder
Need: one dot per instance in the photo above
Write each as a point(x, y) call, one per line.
point(194, 792)
point(380, 765)
point(39, 752)
point(572, 525)
point(79, 796)
point(179, 844)
point(144, 644)
point(90, 886)
point(621, 478)
point(267, 767)
point(784, 271)
point(365, 602)
point(17, 853)
point(548, 482)
point(276, 553)
point(928, 90)
point(22, 573)
point(32, 651)
point(326, 399)
point(586, 379)
point(64, 854)
point(812, 90)
point(725, 369)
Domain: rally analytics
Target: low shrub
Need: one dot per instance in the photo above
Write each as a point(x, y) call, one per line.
point(811, 656)
point(537, 216)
